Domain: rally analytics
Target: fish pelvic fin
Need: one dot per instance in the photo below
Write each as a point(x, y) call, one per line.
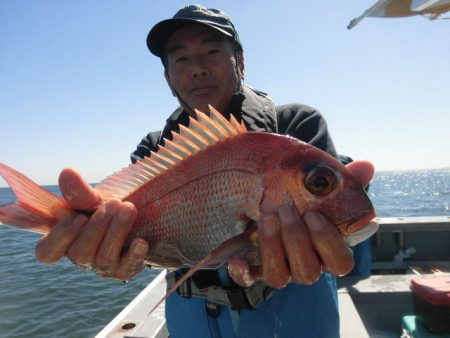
point(201, 133)
point(234, 246)
point(37, 209)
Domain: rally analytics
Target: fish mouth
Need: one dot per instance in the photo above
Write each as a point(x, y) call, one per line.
point(361, 235)
point(356, 223)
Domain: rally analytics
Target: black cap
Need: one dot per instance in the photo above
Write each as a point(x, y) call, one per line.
point(211, 17)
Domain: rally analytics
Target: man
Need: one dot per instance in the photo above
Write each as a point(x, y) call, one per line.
point(204, 64)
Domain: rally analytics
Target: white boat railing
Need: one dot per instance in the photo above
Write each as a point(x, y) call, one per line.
point(134, 321)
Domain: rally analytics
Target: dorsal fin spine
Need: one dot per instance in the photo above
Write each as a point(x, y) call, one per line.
point(155, 163)
point(150, 168)
point(204, 127)
point(153, 171)
point(235, 123)
point(170, 154)
point(213, 125)
point(163, 160)
point(137, 179)
point(123, 184)
point(207, 136)
point(192, 147)
point(140, 170)
point(183, 152)
point(197, 139)
point(226, 124)
point(201, 133)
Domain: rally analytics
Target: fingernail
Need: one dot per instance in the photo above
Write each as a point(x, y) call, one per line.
point(269, 224)
point(79, 220)
point(287, 214)
point(235, 270)
point(104, 271)
point(313, 221)
point(125, 213)
point(70, 190)
point(141, 249)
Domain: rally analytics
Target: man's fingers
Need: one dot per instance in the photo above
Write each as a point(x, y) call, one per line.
point(77, 192)
point(85, 247)
point(292, 247)
point(364, 170)
point(54, 246)
point(96, 243)
point(133, 261)
point(239, 271)
point(109, 253)
point(336, 256)
point(274, 266)
point(99, 246)
point(304, 264)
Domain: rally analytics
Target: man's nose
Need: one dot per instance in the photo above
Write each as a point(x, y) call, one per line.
point(199, 69)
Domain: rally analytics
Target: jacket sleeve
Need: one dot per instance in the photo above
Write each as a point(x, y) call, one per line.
point(306, 124)
point(148, 143)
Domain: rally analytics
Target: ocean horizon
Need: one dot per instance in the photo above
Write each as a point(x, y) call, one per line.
point(3, 184)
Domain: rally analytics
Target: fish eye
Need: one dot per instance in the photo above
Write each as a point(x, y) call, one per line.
point(321, 181)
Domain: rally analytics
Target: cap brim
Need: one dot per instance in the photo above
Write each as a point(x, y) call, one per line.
point(161, 32)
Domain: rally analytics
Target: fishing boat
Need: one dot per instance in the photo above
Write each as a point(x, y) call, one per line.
point(404, 248)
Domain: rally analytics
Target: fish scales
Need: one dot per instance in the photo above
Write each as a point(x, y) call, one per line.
point(189, 210)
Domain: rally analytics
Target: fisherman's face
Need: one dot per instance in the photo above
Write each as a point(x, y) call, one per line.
point(201, 68)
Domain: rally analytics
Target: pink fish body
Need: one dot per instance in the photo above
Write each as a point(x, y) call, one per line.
point(199, 197)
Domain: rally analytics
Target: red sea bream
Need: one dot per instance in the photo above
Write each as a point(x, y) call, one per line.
point(199, 197)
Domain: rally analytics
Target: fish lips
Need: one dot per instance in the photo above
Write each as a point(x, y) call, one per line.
point(356, 223)
point(361, 235)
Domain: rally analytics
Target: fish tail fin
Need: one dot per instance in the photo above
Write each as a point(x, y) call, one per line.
point(215, 259)
point(36, 210)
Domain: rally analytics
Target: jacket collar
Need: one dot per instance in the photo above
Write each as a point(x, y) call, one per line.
point(252, 106)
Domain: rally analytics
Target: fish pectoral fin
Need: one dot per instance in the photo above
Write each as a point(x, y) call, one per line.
point(234, 246)
point(254, 199)
point(216, 258)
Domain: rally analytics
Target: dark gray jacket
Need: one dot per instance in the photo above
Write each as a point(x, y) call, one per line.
point(259, 114)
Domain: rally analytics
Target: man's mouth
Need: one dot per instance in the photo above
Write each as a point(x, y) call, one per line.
point(202, 90)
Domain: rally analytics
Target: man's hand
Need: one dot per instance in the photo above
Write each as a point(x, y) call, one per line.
point(295, 249)
point(298, 249)
point(95, 242)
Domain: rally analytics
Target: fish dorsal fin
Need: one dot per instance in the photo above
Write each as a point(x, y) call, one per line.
point(201, 133)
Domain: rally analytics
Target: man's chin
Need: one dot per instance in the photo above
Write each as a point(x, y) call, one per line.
point(204, 107)
point(204, 102)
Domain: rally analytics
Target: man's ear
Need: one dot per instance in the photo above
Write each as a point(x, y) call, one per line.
point(166, 75)
point(240, 63)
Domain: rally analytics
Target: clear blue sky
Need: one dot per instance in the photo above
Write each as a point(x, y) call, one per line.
point(79, 88)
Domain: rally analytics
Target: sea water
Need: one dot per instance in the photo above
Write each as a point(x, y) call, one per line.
point(59, 300)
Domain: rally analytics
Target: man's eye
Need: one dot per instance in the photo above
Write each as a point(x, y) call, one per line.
point(213, 51)
point(180, 59)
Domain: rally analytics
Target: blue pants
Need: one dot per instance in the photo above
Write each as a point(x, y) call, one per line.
point(363, 259)
point(294, 311)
